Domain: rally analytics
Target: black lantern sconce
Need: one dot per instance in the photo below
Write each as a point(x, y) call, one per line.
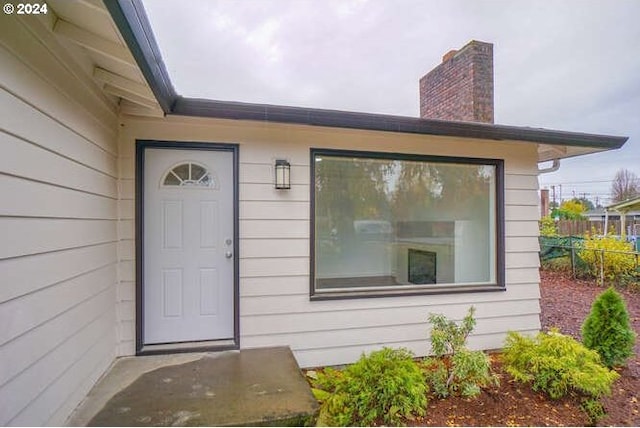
point(283, 174)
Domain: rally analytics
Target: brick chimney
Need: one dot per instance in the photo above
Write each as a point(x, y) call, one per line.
point(544, 202)
point(461, 87)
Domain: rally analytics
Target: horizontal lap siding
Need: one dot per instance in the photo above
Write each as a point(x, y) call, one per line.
point(274, 243)
point(58, 220)
point(125, 296)
point(275, 306)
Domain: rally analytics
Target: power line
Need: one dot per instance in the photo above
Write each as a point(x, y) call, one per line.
point(580, 182)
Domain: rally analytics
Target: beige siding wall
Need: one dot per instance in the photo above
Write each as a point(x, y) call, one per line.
point(58, 251)
point(274, 243)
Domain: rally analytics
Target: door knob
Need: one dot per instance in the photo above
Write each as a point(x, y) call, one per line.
point(228, 254)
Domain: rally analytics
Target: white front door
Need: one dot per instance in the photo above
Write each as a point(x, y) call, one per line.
point(188, 284)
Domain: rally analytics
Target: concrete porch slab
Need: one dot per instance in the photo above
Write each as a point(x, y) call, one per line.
point(250, 387)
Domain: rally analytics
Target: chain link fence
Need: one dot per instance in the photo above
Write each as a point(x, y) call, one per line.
point(573, 249)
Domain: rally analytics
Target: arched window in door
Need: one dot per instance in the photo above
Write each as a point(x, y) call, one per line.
point(190, 174)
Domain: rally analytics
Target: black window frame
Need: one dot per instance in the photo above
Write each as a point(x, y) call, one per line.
point(499, 285)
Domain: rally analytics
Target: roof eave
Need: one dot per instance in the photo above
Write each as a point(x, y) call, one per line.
point(388, 123)
point(629, 203)
point(134, 26)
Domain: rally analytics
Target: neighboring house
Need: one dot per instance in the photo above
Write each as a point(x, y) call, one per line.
point(599, 220)
point(136, 221)
point(610, 216)
point(599, 214)
point(627, 212)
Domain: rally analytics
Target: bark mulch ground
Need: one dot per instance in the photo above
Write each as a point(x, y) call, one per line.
point(565, 304)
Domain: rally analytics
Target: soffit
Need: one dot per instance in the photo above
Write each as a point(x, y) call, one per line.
point(548, 152)
point(87, 31)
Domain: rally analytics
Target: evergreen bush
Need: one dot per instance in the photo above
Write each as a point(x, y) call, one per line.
point(455, 369)
point(447, 337)
point(607, 330)
point(557, 365)
point(386, 386)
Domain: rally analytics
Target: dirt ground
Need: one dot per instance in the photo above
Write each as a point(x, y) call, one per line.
point(565, 303)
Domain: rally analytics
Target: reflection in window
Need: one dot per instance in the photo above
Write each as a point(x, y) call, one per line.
point(384, 222)
point(189, 174)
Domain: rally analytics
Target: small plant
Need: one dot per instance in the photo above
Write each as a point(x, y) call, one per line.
point(386, 386)
point(557, 365)
point(464, 373)
point(447, 337)
point(455, 369)
point(607, 331)
point(593, 409)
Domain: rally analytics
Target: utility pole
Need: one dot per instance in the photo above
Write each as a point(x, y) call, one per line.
point(561, 194)
point(553, 190)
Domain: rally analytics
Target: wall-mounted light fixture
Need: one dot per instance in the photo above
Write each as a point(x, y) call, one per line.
point(283, 174)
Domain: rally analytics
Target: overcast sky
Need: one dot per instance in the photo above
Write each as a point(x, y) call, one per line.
point(568, 65)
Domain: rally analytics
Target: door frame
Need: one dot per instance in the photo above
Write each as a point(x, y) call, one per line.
point(141, 146)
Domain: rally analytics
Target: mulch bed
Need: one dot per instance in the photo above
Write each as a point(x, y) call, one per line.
point(510, 404)
point(565, 304)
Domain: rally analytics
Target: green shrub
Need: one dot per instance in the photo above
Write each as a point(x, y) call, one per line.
point(607, 330)
point(463, 373)
point(556, 364)
point(455, 369)
point(548, 226)
point(612, 263)
point(386, 386)
point(594, 410)
point(437, 376)
point(447, 337)
point(558, 264)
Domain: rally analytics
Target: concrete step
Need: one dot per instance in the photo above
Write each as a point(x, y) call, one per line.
point(250, 387)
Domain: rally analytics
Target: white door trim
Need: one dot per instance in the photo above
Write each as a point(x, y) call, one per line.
point(233, 343)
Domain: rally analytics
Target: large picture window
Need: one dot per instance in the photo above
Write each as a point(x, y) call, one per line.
point(386, 224)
